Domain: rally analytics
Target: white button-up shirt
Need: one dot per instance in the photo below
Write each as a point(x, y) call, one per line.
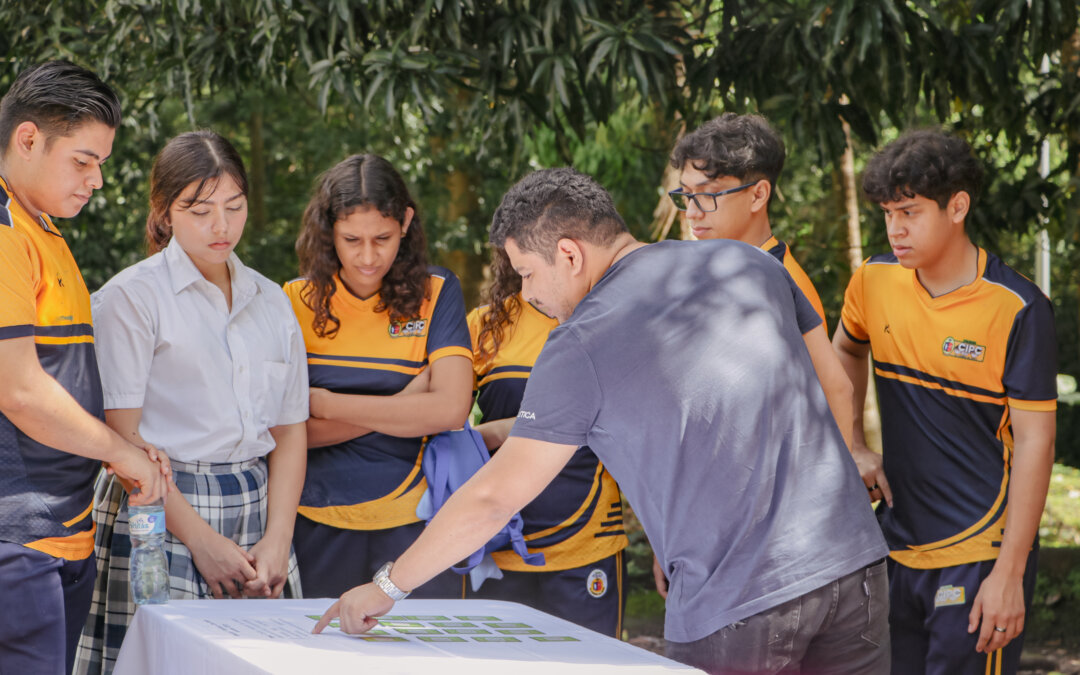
point(211, 382)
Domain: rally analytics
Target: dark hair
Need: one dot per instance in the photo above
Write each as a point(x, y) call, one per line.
point(200, 157)
point(926, 162)
point(504, 305)
point(57, 96)
point(743, 146)
point(554, 204)
point(361, 181)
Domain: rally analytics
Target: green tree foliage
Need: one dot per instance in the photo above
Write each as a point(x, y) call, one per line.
point(490, 74)
point(467, 95)
point(463, 83)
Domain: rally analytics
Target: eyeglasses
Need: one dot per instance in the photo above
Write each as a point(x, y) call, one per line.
point(682, 199)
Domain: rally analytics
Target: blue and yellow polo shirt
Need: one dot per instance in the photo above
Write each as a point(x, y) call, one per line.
point(948, 369)
point(375, 481)
point(46, 494)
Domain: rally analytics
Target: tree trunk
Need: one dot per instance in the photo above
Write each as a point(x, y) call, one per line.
point(665, 213)
point(469, 269)
point(468, 265)
point(851, 202)
point(871, 417)
point(257, 169)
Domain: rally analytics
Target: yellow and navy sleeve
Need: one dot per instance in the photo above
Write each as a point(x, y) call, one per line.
point(781, 251)
point(47, 495)
point(1030, 376)
point(474, 319)
point(18, 273)
point(852, 321)
point(449, 334)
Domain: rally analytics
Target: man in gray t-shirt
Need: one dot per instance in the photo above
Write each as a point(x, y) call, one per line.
point(695, 373)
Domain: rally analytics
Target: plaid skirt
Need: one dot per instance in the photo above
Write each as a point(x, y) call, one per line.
point(231, 498)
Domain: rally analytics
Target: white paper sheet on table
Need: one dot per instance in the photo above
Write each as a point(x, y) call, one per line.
point(273, 636)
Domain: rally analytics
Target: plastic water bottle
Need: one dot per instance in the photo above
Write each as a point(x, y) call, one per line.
point(149, 570)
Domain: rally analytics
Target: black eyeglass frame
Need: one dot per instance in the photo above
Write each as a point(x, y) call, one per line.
point(674, 194)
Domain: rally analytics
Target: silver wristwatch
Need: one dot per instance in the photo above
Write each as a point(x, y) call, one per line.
point(382, 580)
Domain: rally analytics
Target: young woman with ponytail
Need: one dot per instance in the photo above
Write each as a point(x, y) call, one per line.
point(202, 357)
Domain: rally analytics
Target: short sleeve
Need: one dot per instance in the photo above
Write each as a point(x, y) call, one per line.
point(1030, 376)
point(18, 309)
point(294, 406)
point(805, 312)
point(563, 396)
point(852, 320)
point(125, 332)
point(292, 290)
point(801, 279)
point(473, 320)
point(449, 333)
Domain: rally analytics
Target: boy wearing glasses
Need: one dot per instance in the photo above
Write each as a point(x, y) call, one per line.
point(964, 359)
point(728, 170)
point(729, 167)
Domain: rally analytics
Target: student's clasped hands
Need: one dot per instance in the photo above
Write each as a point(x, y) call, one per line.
point(271, 560)
point(231, 571)
point(224, 565)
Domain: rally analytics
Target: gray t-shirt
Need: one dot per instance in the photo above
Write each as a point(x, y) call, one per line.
point(685, 370)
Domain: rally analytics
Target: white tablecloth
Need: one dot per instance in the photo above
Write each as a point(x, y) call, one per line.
point(236, 637)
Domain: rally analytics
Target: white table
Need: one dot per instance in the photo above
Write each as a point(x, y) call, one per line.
point(236, 637)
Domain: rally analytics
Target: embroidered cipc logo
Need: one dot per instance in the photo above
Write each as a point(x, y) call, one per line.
point(968, 350)
point(948, 596)
point(596, 583)
point(413, 328)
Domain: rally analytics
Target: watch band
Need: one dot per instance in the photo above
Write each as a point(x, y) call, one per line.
point(382, 580)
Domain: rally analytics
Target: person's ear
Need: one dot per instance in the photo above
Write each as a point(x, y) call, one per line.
point(571, 252)
point(958, 206)
point(407, 220)
point(24, 137)
point(761, 191)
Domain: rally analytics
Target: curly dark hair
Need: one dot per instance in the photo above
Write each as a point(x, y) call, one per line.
point(553, 204)
point(742, 146)
point(361, 181)
point(926, 162)
point(504, 305)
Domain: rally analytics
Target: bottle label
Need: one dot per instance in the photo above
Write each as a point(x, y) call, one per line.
point(147, 524)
